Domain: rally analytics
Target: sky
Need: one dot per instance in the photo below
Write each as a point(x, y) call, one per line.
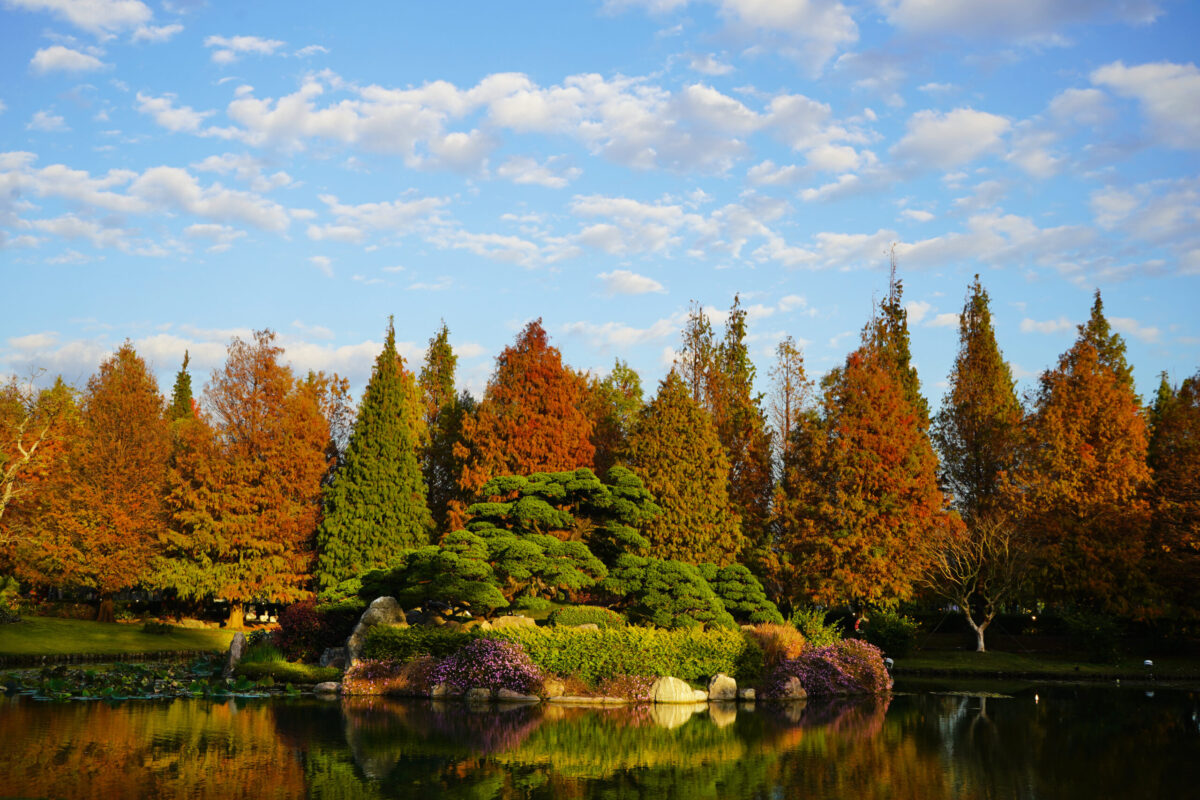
point(178, 173)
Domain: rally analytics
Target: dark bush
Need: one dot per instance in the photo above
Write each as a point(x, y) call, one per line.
point(1096, 636)
point(582, 615)
point(306, 629)
point(893, 633)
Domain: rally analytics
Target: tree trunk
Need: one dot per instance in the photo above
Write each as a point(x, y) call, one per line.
point(237, 617)
point(107, 611)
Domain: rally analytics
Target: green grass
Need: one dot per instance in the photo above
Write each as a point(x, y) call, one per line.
point(1016, 664)
point(288, 672)
point(51, 636)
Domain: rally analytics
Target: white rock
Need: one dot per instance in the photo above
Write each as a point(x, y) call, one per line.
point(673, 690)
point(328, 687)
point(722, 687)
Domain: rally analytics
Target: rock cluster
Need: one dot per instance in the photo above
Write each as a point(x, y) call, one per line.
point(382, 611)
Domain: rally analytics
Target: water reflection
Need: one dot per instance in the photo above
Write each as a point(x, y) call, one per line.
point(1071, 743)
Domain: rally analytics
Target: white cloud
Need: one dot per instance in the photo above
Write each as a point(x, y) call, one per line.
point(947, 320)
point(175, 188)
point(251, 170)
point(398, 217)
point(1033, 20)
point(917, 309)
point(220, 237)
point(844, 186)
point(768, 174)
point(316, 331)
point(1131, 327)
point(74, 227)
point(184, 119)
point(100, 17)
point(1060, 325)
point(526, 170)
point(917, 215)
point(46, 122)
point(323, 263)
point(709, 65)
point(310, 50)
point(441, 284)
point(947, 140)
point(809, 31)
point(156, 33)
point(1080, 107)
point(57, 58)
point(1168, 93)
point(228, 49)
point(618, 336)
point(935, 88)
point(622, 281)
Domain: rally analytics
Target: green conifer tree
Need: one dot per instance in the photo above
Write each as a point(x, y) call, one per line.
point(375, 505)
point(182, 406)
point(444, 414)
point(675, 450)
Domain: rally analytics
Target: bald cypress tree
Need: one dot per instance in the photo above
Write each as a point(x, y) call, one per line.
point(674, 449)
point(887, 334)
point(375, 505)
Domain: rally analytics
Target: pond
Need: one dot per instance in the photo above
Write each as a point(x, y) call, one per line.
point(993, 741)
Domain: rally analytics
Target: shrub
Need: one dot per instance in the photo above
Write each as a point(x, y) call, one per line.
point(666, 593)
point(741, 594)
point(893, 633)
point(155, 628)
point(304, 632)
point(688, 654)
point(263, 651)
point(404, 644)
point(346, 590)
point(778, 642)
point(1097, 636)
point(582, 615)
point(389, 677)
point(632, 687)
point(534, 604)
point(811, 624)
point(847, 667)
point(490, 663)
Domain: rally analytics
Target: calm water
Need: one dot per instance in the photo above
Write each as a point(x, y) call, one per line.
point(1044, 742)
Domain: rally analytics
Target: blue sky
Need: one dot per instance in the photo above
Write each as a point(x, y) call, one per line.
point(177, 173)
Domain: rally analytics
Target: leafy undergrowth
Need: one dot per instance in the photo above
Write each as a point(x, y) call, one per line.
point(51, 636)
point(137, 682)
point(288, 672)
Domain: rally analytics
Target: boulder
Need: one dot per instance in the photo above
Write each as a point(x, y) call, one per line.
point(479, 695)
point(673, 690)
point(746, 694)
point(722, 687)
point(509, 696)
point(382, 611)
point(443, 691)
point(237, 648)
point(553, 687)
point(334, 657)
point(587, 626)
point(793, 690)
point(514, 621)
point(699, 696)
point(328, 687)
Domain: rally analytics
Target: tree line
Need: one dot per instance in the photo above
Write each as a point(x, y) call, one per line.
point(271, 486)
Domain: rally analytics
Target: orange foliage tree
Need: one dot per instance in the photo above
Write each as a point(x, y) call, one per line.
point(531, 419)
point(99, 528)
point(1081, 485)
point(244, 489)
point(35, 426)
point(859, 501)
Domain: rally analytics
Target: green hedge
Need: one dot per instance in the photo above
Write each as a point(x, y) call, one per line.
point(404, 644)
point(689, 654)
point(582, 615)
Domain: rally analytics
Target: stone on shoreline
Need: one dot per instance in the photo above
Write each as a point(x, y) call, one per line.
point(382, 611)
point(237, 648)
point(722, 687)
point(328, 687)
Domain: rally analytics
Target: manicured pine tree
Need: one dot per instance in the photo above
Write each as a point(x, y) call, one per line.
point(531, 419)
point(978, 430)
point(859, 501)
point(613, 404)
point(98, 529)
point(1081, 485)
point(674, 449)
point(182, 405)
point(245, 489)
point(1174, 552)
point(375, 506)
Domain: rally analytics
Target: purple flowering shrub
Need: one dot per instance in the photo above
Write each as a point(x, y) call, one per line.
point(491, 664)
point(846, 667)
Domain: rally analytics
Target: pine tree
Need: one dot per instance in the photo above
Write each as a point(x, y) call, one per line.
point(613, 404)
point(531, 418)
point(445, 413)
point(978, 429)
point(694, 362)
point(375, 506)
point(437, 375)
point(99, 528)
point(1174, 457)
point(1082, 480)
point(860, 503)
point(674, 449)
point(182, 405)
point(888, 334)
point(244, 492)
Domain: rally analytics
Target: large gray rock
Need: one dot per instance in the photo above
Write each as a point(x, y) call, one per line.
point(444, 691)
point(237, 648)
point(793, 690)
point(514, 621)
point(479, 695)
point(334, 657)
point(509, 696)
point(746, 694)
point(382, 611)
point(673, 690)
point(722, 687)
point(328, 687)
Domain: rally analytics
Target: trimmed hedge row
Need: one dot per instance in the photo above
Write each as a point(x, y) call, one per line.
point(404, 644)
point(689, 654)
point(582, 615)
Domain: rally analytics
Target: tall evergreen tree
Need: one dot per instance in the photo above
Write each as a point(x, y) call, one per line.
point(791, 391)
point(1174, 457)
point(437, 374)
point(613, 403)
point(182, 405)
point(978, 429)
point(1083, 476)
point(674, 449)
point(698, 351)
point(859, 502)
point(445, 413)
point(531, 419)
point(887, 333)
point(375, 506)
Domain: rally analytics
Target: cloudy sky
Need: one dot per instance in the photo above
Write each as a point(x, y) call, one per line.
point(180, 172)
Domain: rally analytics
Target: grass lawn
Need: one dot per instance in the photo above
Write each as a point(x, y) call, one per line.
point(1041, 664)
point(50, 636)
